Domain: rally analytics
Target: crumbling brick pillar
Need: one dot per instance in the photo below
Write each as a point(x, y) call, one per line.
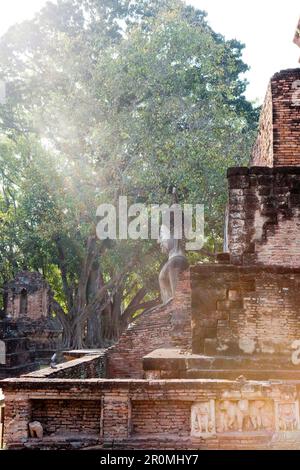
point(18, 415)
point(264, 208)
point(278, 142)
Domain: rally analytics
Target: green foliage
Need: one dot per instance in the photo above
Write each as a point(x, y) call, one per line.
point(108, 98)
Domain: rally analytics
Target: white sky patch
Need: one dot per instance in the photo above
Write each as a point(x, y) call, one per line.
point(267, 28)
point(16, 11)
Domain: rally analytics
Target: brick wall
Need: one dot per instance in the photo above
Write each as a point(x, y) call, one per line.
point(133, 414)
point(163, 327)
point(87, 367)
point(67, 416)
point(262, 154)
point(264, 208)
point(38, 304)
point(278, 142)
point(161, 417)
point(286, 118)
point(246, 311)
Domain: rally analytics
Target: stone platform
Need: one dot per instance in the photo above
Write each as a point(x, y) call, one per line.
point(157, 414)
point(173, 363)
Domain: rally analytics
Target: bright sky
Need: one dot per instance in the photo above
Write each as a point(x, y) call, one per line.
point(266, 27)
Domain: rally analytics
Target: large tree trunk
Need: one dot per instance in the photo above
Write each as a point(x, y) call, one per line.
point(111, 320)
point(93, 328)
point(95, 318)
point(77, 336)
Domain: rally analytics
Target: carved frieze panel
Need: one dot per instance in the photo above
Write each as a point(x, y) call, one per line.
point(247, 411)
point(244, 415)
point(203, 423)
point(287, 415)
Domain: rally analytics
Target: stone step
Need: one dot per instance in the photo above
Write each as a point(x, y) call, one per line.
point(250, 374)
point(220, 362)
point(171, 363)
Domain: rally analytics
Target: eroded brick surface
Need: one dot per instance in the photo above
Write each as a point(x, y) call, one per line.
point(164, 327)
point(133, 414)
point(278, 142)
point(264, 209)
point(241, 310)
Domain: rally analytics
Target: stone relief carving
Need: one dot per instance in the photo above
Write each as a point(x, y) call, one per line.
point(247, 411)
point(258, 414)
point(244, 415)
point(287, 416)
point(296, 354)
point(203, 419)
point(36, 430)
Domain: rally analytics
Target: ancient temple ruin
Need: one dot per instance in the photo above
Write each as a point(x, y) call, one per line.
point(29, 335)
point(219, 366)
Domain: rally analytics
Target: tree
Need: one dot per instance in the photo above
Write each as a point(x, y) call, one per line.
point(106, 99)
point(45, 227)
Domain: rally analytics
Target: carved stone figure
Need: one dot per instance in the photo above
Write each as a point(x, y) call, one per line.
point(296, 354)
point(243, 412)
point(176, 264)
point(36, 430)
point(242, 415)
point(287, 417)
point(256, 414)
point(230, 416)
point(203, 418)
